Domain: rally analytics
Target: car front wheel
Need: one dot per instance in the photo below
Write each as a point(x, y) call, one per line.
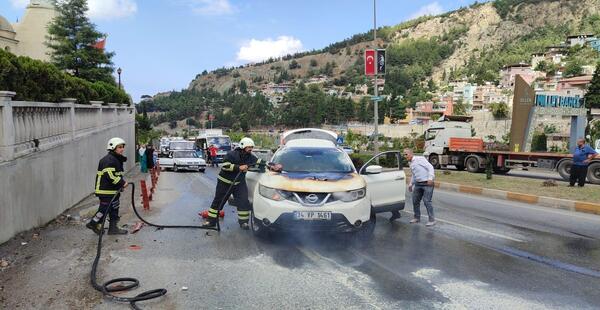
point(257, 227)
point(175, 168)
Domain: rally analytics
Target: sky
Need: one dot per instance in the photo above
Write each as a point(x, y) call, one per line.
point(162, 45)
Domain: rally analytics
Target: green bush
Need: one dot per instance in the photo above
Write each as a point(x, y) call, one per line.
point(539, 143)
point(35, 80)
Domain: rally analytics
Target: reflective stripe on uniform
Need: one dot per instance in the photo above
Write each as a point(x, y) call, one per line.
point(213, 213)
point(223, 179)
point(243, 215)
point(113, 175)
point(227, 166)
point(105, 192)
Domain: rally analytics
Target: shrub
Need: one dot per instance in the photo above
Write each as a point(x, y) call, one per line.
point(35, 80)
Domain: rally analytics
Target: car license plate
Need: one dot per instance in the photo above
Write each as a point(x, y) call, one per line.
point(194, 167)
point(312, 215)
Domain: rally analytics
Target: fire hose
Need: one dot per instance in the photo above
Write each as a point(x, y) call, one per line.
point(127, 283)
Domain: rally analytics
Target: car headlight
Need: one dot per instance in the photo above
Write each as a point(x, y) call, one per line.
point(350, 195)
point(273, 194)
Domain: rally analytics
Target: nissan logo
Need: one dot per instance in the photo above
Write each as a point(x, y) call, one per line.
point(312, 198)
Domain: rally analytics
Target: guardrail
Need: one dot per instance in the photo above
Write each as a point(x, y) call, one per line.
point(29, 127)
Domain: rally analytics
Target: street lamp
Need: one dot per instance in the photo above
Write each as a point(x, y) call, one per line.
point(119, 73)
point(375, 103)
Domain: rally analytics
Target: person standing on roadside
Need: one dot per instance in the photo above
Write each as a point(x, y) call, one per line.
point(212, 151)
point(421, 185)
point(143, 161)
point(582, 156)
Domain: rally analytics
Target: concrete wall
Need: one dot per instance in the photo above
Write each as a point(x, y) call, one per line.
point(49, 154)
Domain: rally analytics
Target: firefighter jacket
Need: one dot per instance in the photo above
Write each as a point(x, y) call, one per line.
point(231, 166)
point(109, 178)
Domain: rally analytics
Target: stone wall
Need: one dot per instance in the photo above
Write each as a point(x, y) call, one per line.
point(49, 155)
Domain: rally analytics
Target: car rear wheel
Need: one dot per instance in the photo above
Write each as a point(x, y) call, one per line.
point(202, 170)
point(434, 160)
point(175, 168)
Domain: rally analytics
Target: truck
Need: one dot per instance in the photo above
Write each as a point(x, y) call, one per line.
point(215, 137)
point(449, 143)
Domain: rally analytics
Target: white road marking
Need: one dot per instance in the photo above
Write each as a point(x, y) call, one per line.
point(475, 229)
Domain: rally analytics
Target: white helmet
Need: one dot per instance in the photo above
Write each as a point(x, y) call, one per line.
point(114, 142)
point(246, 142)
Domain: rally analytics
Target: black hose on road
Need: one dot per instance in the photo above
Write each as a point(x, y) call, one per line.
point(131, 283)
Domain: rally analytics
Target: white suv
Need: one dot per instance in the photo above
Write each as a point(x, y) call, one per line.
point(319, 188)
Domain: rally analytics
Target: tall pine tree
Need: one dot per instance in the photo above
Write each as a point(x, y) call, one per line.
point(71, 40)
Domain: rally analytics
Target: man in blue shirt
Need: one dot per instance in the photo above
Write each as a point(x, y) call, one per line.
point(581, 158)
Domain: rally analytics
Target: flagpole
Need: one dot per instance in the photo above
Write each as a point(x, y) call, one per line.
point(376, 100)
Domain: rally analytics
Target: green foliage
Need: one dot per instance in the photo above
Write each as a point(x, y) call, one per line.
point(539, 142)
point(549, 68)
point(294, 65)
point(550, 129)
point(411, 63)
point(192, 122)
point(172, 124)
point(313, 63)
point(499, 110)
point(459, 108)
point(573, 67)
point(34, 80)
point(505, 7)
point(485, 66)
point(71, 39)
point(592, 97)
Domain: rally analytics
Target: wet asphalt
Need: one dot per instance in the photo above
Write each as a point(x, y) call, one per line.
point(482, 254)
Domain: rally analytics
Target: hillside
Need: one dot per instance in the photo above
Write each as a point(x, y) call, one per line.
point(483, 28)
point(425, 58)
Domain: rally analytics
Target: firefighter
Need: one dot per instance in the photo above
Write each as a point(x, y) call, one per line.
point(236, 161)
point(109, 183)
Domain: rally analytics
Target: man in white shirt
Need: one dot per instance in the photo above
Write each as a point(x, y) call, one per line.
point(421, 185)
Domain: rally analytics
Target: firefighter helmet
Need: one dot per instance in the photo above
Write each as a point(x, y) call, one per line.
point(246, 142)
point(114, 142)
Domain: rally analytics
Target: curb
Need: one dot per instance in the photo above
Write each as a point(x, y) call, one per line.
point(549, 202)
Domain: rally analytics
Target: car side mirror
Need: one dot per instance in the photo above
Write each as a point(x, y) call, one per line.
point(374, 169)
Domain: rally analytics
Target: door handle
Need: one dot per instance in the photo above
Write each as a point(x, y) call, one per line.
point(399, 178)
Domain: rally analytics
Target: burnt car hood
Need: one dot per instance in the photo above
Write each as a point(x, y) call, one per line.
point(313, 182)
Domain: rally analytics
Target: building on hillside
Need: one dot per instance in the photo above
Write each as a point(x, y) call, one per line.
point(424, 110)
point(537, 58)
point(508, 74)
point(578, 83)
point(28, 36)
point(272, 88)
point(595, 43)
point(319, 79)
point(486, 95)
point(361, 89)
point(555, 54)
point(580, 39)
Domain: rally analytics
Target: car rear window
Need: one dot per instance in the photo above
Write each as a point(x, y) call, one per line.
point(313, 160)
point(189, 154)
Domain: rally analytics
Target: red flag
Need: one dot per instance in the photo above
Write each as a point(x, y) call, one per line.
point(100, 44)
point(370, 62)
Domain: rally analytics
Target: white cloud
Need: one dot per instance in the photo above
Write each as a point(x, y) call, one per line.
point(259, 50)
point(212, 7)
point(111, 9)
point(19, 3)
point(431, 9)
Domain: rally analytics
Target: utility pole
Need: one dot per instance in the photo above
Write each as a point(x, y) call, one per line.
point(376, 99)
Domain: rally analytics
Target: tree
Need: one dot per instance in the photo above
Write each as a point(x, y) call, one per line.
point(592, 98)
point(459, 108)
point(71, 39)
point(294, 65)
point(313, 63)
point(499, 110)
point(573, 68)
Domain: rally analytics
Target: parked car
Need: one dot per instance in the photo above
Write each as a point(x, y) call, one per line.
point(319, 189)
point(183, 160)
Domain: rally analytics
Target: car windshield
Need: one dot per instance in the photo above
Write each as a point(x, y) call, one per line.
point(190, 154)
point(182, 145)
point(222, 143)
point(313, 160)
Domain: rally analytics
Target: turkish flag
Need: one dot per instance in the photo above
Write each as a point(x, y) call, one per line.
point(370, 62)
point(100, 44)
